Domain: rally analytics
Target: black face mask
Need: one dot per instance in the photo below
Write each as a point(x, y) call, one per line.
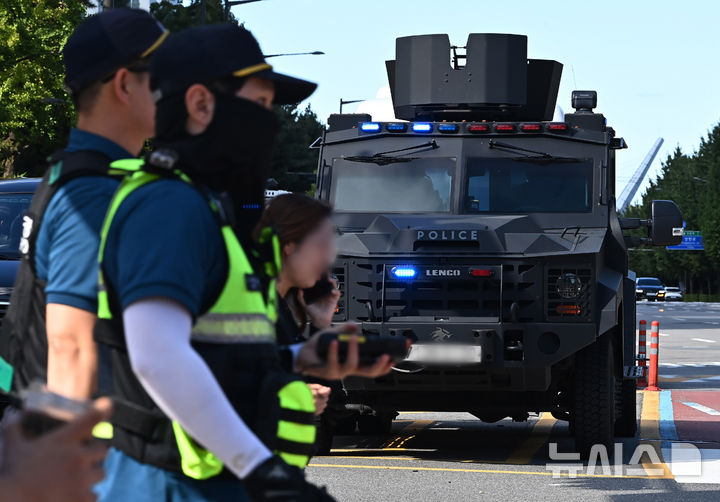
point(231, 156)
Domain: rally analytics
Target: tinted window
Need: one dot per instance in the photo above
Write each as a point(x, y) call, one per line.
point(649, 281)
point(525, 186)
point(419, 186)
point(12, 209)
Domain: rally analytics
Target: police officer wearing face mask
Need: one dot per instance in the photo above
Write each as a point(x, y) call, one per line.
point(187, 301)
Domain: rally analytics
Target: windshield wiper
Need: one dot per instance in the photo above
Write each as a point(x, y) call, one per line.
point(383, 159)
point(535, 157)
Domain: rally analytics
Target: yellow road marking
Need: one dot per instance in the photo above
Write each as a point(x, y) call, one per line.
point(484, 471)
point(407, 433)
point(366, 457)
point(419, 459)
point(539, 435)
point(650, 432)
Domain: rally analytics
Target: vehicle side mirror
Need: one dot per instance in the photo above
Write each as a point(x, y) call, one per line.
point(667, 223)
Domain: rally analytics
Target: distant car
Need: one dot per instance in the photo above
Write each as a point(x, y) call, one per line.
point(15, 197)
point(673, 294)
point(649, 288)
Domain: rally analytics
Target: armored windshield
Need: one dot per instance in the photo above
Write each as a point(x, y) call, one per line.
point(528, 185)
point(421, 185)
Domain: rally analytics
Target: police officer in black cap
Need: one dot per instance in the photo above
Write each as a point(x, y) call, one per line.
point(187, 299)
point(54, 303)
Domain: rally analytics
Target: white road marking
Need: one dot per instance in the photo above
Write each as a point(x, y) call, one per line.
point(701, 407)
point(699, 466)
point(702, 380)
point(669, 365)
point(703, 340)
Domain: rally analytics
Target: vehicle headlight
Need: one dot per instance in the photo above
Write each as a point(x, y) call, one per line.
point(639, 291)
point(569, 286)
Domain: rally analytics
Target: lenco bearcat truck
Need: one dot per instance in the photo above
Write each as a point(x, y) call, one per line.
point(487, 233)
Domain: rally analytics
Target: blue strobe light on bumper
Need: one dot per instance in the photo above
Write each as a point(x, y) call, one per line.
point(404, 272)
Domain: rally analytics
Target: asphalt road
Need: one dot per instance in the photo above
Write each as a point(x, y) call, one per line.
point(456, 457)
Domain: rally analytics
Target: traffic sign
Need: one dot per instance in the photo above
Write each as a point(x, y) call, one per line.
point(692, 241)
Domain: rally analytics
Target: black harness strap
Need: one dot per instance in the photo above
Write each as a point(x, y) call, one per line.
point(63, 167)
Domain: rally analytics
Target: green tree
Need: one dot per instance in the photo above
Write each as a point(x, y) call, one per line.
point(177, 16)
point(709, 162)
point(35, 112)
point(294, 162)
point(693, 182)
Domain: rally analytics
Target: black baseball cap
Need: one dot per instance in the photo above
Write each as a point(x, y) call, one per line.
point(108, 41)
point(205, 53)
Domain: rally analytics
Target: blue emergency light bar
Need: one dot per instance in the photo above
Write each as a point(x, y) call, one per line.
point(464, 127)
point(370, 127)
point(396, 127)
point(422, 127)
point(448, 128)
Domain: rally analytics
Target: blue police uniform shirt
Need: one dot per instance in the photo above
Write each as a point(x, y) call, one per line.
point(165, 241)
point(68, 239)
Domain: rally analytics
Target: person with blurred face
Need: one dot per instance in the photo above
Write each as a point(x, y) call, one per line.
point(47, 333)
point(187, 299)
point(307, 243)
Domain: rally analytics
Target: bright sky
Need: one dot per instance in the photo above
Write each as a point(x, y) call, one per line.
point(655, 64)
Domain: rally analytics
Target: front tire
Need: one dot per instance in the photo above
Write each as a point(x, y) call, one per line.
point(594, 407)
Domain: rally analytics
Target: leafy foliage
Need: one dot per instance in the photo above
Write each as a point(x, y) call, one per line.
point(294, 162)
point(693, 182)
point(34, 109)
point(176, 16)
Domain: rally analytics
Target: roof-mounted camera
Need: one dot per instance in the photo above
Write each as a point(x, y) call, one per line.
point(584, 101)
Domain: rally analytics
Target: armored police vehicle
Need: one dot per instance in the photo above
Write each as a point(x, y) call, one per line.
point(487, 233)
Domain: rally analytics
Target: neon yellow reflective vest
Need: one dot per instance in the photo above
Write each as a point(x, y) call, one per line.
point(236, 337)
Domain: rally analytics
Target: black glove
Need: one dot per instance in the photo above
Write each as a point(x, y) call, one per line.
point(276, 481)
